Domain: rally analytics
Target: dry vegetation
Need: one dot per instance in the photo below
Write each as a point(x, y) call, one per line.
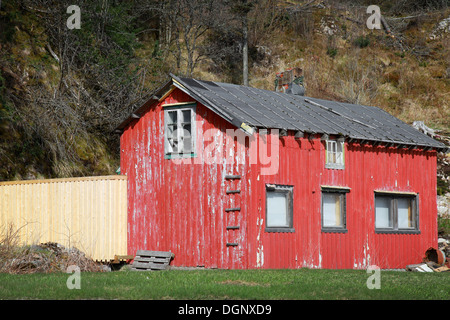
point(62, 92)
point(412, 81)
point(16, 258)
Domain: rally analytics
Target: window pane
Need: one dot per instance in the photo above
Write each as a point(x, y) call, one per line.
point(330, 152)
point(187, 130)
point(172, 137)
point(339, 153)
point(405, 218)
point(187, 139)
point(277, 209)
point(332, 213)
point(172, 117)
point(383, 212)
point(339, 158)
point(171, 131)
point(186, 115)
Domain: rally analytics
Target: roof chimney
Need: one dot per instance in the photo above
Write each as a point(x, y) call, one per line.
point(290, 81)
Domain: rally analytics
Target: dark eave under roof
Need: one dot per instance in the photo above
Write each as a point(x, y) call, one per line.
point(269, 109)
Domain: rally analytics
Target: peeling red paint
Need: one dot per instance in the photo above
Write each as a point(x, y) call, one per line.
point(181, 207)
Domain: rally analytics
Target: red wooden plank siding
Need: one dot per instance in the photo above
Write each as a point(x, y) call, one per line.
point(181, 207)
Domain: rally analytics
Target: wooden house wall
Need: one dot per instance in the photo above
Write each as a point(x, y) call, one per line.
point(367, 168)
point(182, 207)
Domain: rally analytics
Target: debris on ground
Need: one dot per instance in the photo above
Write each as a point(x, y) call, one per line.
point(420, 267)
point(46, 258)
point(435, 260)
point(436, 256)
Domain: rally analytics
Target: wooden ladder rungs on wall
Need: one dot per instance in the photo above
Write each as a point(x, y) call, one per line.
point(232, 177)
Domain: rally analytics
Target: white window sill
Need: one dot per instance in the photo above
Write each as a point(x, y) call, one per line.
point(334, 166)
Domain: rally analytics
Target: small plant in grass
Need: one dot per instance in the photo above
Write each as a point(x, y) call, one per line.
point(332, 52)
point(362, 41)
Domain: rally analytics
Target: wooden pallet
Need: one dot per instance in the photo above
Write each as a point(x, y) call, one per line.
point(151, 260)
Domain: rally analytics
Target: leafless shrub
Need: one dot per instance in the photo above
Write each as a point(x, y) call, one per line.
point(9, 240)
point(407, 6)
point(358, 83)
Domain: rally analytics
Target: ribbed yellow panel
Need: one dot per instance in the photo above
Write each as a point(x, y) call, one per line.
point(89, 213)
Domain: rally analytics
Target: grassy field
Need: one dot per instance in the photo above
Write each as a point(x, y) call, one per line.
point(229, 284)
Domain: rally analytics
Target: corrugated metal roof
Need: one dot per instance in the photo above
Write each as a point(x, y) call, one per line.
point(269, 109)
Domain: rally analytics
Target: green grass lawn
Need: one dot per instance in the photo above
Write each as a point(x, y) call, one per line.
point(228, 284)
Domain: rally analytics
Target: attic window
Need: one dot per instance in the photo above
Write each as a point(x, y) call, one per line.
point(179, 129)
point(335, 154)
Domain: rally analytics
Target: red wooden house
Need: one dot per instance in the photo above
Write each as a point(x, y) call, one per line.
point(228, 176)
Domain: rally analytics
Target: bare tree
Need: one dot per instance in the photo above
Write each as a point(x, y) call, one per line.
point(96, 81)
point(183, 27)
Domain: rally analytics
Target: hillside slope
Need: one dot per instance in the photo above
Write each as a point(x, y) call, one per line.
point(62, 92)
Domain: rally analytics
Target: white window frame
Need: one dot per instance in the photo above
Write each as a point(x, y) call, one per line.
point(169, 152)
point(334, 154)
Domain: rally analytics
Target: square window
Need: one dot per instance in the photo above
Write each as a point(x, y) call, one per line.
point(396, 213)
point(334, 209)
point(279, 210)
